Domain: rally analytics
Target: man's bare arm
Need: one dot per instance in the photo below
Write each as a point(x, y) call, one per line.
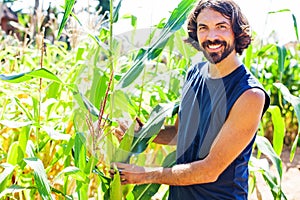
point(168, 135)
point(237, 132)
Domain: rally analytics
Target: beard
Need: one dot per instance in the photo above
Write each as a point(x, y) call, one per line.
point(216, 57)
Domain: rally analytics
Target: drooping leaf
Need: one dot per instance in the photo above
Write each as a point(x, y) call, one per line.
point(152, 127)
point(174, 23)
point(132, 18)
point(279, 129)
point(22, 77)
point(266, 148)
point(74, 172)
point(40, 177)
point(295, 101)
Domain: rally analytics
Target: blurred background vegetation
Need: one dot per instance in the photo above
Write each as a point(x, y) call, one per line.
point(67, 80)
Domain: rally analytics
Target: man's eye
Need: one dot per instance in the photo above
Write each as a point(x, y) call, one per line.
point(222, 27)
point(201, 28)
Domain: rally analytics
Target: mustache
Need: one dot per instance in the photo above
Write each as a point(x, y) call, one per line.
point(215, 42)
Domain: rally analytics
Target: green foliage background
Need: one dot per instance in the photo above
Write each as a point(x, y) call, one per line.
point(52, 97)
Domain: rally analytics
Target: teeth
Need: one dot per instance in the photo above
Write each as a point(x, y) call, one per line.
point(214, 46)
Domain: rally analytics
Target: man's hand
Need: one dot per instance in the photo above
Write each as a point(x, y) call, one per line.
point(129, 174)
point(123, 126)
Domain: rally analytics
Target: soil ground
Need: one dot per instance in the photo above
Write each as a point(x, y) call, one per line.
point(290, 182)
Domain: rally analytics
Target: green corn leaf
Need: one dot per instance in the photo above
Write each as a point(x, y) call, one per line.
point(80, 151)
point(13, 189)
point(248, 57)
point(295, 101)
point(40, 177)
point(281, 59)
point(68, 10)
point(80, 155)
point(182, 47)
point(84, 102)
point(26, 111)
point(5, 175)
point(22, 77)
point(271, 181)
point(173, 24)
point(74, 172)
point(279, 129)
point(152, 127)
point(122, 103)
point(123, 152)
point(266, 148)
point(294, 20)
point(264, 50)
point(295, 26)
point(279, 11)
point(67, 197)
point(115, 187)
point(15, 154)
point(132, 18)
point(98, 87)
point(147, 191)
point(116, 12)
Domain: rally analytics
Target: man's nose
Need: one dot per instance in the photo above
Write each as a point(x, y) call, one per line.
point(212, 35)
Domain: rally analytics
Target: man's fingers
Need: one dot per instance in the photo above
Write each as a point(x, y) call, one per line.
point(118, 133)
point(140, 123)
point(123, 126)
point(119, 166)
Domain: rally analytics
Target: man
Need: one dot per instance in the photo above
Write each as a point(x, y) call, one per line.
point(222, 104)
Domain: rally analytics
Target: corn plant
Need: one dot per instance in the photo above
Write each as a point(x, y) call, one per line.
point(60, 106)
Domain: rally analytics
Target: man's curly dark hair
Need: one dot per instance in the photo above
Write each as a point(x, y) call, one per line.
point(229, 10)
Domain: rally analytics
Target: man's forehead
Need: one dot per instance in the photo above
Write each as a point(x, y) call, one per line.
point(208, 15)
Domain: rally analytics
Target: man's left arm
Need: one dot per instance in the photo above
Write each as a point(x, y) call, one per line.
point(236, 133)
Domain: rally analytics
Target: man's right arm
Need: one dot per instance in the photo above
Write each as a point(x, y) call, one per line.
point(168, 135)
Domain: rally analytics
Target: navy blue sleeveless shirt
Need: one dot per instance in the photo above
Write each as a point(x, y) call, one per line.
point(204, 107)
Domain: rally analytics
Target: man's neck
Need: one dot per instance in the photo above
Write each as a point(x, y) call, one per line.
point(224, 67)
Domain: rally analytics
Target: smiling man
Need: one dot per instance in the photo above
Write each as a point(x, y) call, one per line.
point(220, 111)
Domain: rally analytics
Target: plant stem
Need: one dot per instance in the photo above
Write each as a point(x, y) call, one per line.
point(40, 92)
point(111, 57)
point(100, 127)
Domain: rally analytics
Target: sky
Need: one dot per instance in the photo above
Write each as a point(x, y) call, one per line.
point(149, 13)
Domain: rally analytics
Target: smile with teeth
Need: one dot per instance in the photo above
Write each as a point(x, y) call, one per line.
point(214, 46)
